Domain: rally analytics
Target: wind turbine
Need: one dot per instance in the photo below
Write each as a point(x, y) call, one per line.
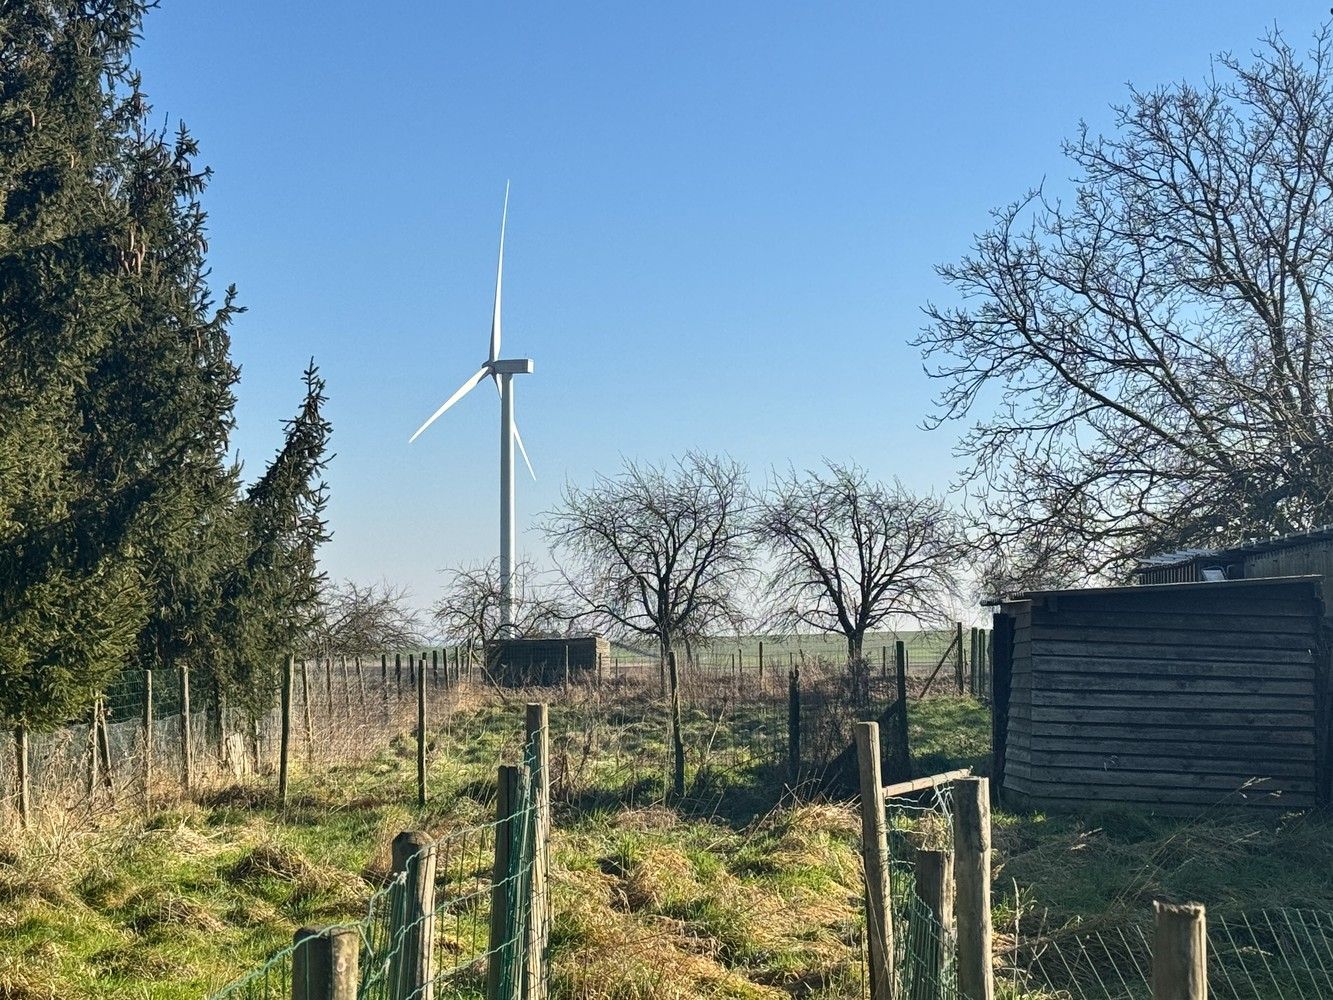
point(502, 372)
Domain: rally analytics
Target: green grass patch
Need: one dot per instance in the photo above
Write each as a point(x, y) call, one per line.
point(720, 895)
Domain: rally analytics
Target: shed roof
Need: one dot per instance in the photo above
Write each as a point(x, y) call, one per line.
point(1253, 547)
point(1148, 588)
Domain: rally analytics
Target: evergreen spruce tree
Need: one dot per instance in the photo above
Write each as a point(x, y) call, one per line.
point(125, 539)
point(71, 597)
point(115, 375)
point(272, 601)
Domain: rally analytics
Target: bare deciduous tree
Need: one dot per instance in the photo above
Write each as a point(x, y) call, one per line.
point(470, 608)
point(850, 554)
point(657, 551)
point(361, 619)
point(1159, 345)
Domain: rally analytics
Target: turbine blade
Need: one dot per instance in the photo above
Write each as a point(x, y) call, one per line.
point(518, 440)
point(463, 390)
point(499, 274)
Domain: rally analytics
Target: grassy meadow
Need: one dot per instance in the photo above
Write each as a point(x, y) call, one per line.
point(735, 892)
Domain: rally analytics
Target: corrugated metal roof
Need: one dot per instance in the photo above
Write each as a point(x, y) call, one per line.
point(1285, 541)
point(1248, 548)
point(1261, 581)
point(1178, 557)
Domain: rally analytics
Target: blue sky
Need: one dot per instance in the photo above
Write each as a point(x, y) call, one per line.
point(723, 222)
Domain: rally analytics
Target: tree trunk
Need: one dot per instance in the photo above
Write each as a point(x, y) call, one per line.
point(857, 671)
point(664, 650)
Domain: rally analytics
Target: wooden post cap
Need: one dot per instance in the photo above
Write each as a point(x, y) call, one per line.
point(1179, 951)
point(407, 845)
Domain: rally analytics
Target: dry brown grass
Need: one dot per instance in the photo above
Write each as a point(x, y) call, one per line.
point(651, 906)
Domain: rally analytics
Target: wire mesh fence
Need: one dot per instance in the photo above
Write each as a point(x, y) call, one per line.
point(157, 735)
point(154, 737)
point(1270, 954)
point(920, 829)
point(462, 914)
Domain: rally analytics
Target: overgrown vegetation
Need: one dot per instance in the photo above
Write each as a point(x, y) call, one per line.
point(126, 539)
point(738, 894)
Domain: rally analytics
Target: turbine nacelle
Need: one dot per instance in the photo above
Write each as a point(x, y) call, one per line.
point(513, 366)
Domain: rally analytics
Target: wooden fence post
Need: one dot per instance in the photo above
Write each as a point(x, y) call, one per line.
point(93, 761)
point(504, 979)
point(904, 747)
point(539, 915)
point(435, 667)
point(421, 735)
point(103, 743)
point(326, 963)
point(187, 749)
point(22, 789)
point(360, 680)
point(958, 655)
point(988, 680)
point(794, 727)
point(412, 963)
point(255, 757)
point(347, 685)
point(328, 684)
point(875, 859)
point(972, 877)
point(1179, 952)
point(147, 735)
point(761, 659)
point(309, 726)
point(976, 662)
point(398, 674)
point(934, 890)
point(677, 737)
point(285, 730)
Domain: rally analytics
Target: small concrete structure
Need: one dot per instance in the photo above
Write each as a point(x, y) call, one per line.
point(538, 662)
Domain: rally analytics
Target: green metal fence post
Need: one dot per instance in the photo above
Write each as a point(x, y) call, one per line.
point(504, 978)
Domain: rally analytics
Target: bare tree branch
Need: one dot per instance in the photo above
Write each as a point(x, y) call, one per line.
point(850, 554)
point(469, 611)
point(358, 618)
point(657, 552)
point(1158, 349)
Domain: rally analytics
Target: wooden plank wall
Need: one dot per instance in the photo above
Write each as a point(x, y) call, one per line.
point(1173, 698)
point(1314, 558)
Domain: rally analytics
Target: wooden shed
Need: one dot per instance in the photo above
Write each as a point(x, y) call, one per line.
point(521, 662)
point(1172, 697)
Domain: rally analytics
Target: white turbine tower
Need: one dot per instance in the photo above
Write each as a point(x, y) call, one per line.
point(502, 372)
